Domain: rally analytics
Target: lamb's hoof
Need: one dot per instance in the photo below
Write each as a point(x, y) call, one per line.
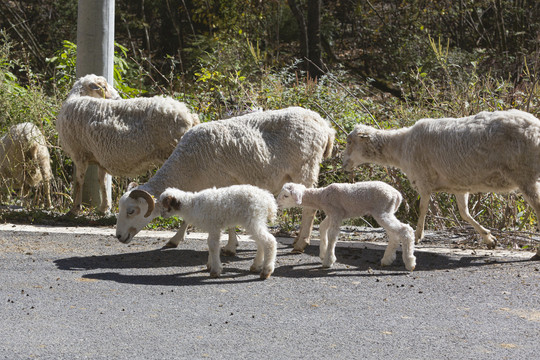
point(255, 269)
point(228, 252)
point(297, 251)
point(170, 245)
point(492, 245)
point(265, 275)
point(214, 274)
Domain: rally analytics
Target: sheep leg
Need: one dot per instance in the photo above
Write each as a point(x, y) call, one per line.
point(424, 204)
point(531, 195)
point(232, 244)
point(333, 233)
point(180, 236)
point(265, 257)
point(308, 216)
point(80, 172)
point(462, 201)
point(105, 205)
point(323, 231)
point(214, 263)
point(47, 193)
point(396, 230)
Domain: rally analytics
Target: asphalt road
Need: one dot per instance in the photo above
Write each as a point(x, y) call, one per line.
point(78, 293)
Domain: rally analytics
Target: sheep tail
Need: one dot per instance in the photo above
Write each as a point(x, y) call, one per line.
point(272, 211)
point(329, 145)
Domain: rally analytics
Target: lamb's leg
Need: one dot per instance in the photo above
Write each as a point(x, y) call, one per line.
point(308, 216)
point(180, 236)
point(462, 202)
point(396, 230)
point(323, 231)
point(80, 172)
point(214, 263)
point(333, 234)
point(424, 204)
point(265, 257)
point(232, 244)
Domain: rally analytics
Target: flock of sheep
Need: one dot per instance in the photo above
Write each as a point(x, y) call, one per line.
point(223, 174)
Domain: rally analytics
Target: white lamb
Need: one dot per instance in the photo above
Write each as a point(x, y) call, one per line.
point(489, 152)
point(124, 137)
point(215, 209)
point(344, 201)
point(24, 159)
point(265, 149)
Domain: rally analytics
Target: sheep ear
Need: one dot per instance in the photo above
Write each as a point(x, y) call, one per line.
point(297, 196)
point(132, 185)
point(169, 202)
point(363, 135)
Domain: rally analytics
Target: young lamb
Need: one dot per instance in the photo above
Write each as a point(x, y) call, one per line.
point(214, 209)
point(24, 159)
point(491, 151)
point(344, 201)
point(265, 149)
point(124, 137)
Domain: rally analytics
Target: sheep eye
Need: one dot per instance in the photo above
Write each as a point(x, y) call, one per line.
point(131, 211)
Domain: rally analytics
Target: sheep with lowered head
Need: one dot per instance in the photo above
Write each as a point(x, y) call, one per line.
point(344, 201)
point(123, 137)
point(488, 152)
point(214, 209)
point(265, 149)
point(24, 159)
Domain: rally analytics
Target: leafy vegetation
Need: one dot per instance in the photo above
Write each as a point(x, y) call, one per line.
point(386, 63)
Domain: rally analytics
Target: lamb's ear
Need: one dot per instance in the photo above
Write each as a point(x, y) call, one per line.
point(296, 194)
point(132, 185)
point(169, 202)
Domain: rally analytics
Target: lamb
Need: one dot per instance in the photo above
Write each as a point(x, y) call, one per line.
point(124, 137)
point(344, 201)
point(214, 209)
point(264, 149)
point(24, 159)
point(488, 152)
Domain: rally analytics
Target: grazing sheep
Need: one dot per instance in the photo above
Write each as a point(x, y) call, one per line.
point(489, 152)
point(265, 149)
point(214, 209)
point(344, 201)
point(24, 159)
point(124, 137)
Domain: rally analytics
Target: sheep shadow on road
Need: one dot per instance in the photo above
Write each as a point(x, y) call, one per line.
point(187, 266)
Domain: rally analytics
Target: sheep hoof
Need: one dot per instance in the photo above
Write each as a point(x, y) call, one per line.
point(228, 252)
point(265, 275)
point(255, 269)
point(170, 245)
point(214, 274)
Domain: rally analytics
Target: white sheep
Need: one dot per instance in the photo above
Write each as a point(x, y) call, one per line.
point(124, 137)
point(214, 209)
point(24, 159)
point(265, 149)
point(488, 152)
point(345, 201)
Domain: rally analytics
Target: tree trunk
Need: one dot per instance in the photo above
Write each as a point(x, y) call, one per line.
point(315, 64)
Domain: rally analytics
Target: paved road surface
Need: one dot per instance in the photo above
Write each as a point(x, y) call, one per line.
point(77, 293)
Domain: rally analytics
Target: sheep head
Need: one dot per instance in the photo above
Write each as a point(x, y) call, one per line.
point(170, 202)
point(361, 147)
point(94, 86)
point(290, 195)
point(136, 210)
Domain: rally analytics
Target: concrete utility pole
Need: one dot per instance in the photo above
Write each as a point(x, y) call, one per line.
point(95, 55)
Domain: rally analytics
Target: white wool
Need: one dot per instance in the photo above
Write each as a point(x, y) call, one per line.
point(265, 149)
point(24, 159)
point(488, 152)
point(123, 137)
point(345, 201)
point(215, 209)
